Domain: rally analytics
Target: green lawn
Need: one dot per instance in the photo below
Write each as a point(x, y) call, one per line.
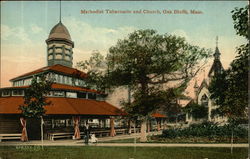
point(91, 152)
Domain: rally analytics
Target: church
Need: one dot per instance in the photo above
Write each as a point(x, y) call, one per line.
point(202, 94)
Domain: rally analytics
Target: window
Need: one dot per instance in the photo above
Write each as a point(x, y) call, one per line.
point(71, 95)
point(81, 95)
point(56, 78)
point(60, 78)
point(204, 100)
point(76, 82)
point(60, 123)
point(27, 81)
point(70, 80)
point(58, 56)
point(58, 93)
point(50, 93)
point(67, 58)
point(58, 50)
point(63, 79)
point(91, 96)
point(50, 57)
point(17, 93)
point(5, 93)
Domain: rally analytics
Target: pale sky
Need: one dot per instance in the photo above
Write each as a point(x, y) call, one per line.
point(26, 25)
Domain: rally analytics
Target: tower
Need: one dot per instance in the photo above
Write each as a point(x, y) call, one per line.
point(217, 67)
point(59, 45)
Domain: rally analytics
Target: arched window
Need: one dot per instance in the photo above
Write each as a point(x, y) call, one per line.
point(204, 100)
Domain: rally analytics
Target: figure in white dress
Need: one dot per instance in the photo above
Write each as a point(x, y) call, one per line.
point(93, 139)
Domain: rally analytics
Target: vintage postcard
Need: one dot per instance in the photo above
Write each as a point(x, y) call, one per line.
point(124, 79)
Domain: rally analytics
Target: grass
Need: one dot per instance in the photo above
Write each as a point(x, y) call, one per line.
point(91, 152)
point(193, 140)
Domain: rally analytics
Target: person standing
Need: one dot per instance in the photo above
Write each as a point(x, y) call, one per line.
point(87, 133)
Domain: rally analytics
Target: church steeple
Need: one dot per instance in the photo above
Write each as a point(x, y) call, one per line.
point(217, 67)
point(217, 52)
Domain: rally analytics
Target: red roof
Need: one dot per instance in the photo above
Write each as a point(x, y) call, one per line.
point(60, 86)
point(68, 87)
point(70, 106)
point(56, 68)
point(158, 115)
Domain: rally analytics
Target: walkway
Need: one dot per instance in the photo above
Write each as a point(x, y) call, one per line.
point(70, 142)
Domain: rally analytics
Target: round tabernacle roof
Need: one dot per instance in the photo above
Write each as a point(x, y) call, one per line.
point(59, 31)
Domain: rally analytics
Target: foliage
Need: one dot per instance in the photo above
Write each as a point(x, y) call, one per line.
point(206, 129)
point(240, 18)
point(230, 89)
point(34, 99)
point(197, 111)
point(146, 61)
point(96, 71)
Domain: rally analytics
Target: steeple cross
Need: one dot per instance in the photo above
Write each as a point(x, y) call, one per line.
point(217, 41)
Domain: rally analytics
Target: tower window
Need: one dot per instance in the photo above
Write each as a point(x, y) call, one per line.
point(58, 56)
point(67, 58)
point(58, 50)
point(50, 57)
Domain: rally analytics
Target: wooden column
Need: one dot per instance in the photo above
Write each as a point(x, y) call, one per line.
point(112, 127)
point(158, 125)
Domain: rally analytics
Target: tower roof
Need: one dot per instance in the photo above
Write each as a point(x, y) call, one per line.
point(59, 32)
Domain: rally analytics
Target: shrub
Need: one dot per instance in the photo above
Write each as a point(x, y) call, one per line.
point(206, 129)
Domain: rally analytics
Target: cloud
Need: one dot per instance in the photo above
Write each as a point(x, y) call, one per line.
point(88, 37)
point(36, 29)
point(181, 33)
point(93, 37)
point(14, 33)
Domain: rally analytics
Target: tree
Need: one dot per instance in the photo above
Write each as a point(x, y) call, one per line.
point(96, 71)
point(229, 89)
point(197, 111)
point(35, 100)
point(146, 61)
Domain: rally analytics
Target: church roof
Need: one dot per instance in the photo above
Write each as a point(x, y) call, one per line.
point(55, 68)
point(158, 115)
point(217, 66)
point(59, 31)
point(203, 84)
point(63, 106)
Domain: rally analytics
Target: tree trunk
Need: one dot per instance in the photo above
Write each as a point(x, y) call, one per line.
point(42, 130)
point(143, 131)
point(232, 141)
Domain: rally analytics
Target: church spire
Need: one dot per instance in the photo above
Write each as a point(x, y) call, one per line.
point(217, 66)
point(217, 52)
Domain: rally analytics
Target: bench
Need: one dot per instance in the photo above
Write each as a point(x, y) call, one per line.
point(10, 136)
point(53, 136)
point(137, 130)
point(100, 133)
point(120, 131)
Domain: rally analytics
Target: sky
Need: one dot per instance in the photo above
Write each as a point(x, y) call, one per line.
point(25, 25)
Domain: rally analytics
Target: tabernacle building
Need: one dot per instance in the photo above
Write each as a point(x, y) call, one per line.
point(73, 105)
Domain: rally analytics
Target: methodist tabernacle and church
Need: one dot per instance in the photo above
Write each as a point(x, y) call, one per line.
point(72, 103)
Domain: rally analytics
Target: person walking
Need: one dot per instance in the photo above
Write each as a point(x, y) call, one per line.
point(87, 133)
